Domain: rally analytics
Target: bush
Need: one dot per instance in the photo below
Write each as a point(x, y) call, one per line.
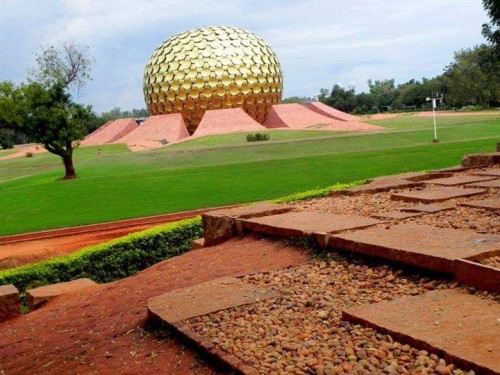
point(472, 108)
point(109, 261)
point(374, 109)
point(258, 137)
point(29, 154)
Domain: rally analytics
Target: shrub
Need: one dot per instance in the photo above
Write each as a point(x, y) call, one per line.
point(258, 137)
point(29, 154)
point(109, 261)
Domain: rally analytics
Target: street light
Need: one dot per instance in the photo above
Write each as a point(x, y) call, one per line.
point(428, 99)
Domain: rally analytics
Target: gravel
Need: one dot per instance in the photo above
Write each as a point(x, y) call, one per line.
point(493, 261)
point(300, 332)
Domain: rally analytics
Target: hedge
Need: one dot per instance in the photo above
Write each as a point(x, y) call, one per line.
point(111, 260)
point(127, 255)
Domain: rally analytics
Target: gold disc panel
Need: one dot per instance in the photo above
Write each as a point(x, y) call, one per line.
point(212, 68)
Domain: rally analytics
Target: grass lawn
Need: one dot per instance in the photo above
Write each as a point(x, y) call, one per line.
point(122, 184)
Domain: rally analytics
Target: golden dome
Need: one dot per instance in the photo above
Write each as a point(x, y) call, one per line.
point(212, 68)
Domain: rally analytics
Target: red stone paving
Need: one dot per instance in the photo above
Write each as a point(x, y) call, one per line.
point(158, 131)
point(417, 245)
point(435, 194)
point(487, 184)
point(426, 208)
point(458, 180)
point(326, 110)
point(489, 204)
point(463, 328)
point(298, 224)
point(39, 296)
point(297, 116)
point(488, 172)
point(101, 330)
point(111, 133)
point(10, 305)
point(225, 121)
point(219, 294)
point(470, 272)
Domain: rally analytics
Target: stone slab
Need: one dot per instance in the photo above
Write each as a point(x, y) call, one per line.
point(396, 215)
point(435, 194)
point(212, 296)
point(479, 160)
point(426, 208)
point(488, 204)
point(300, 224)
point(198, 244)
point(39, 296)
point(220, 225)
point(379, 185)
point(487, 184)
point(489, 172)
point(10, 304)
point(481, 276)
point(462, 328)
point(458, 180)
point(417, 245)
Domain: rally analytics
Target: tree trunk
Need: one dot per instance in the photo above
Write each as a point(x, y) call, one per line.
point(69, 168)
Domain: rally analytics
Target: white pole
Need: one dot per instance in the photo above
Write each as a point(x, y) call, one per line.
point(434, 116)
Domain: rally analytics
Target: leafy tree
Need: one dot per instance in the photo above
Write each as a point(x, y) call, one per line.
point(491, 31)
point(384, 91)
point(66, 63)
point(474, 76)
point(342, 99)
point(297, 99)
point(47, 115)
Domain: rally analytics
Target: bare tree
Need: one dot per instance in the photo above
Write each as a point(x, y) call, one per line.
point(67, 63)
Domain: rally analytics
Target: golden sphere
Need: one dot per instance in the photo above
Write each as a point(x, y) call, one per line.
point(212, 68)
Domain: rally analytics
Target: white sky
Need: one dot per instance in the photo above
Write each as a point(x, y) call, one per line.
point(319, 42)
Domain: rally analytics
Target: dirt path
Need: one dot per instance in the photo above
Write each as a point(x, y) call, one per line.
point(34, 247)
point(102, 329)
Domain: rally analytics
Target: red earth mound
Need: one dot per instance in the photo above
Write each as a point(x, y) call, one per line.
point(110, 132)
point(297, 116)
point(156, 131)
point(224, 121)
point(101, 329)
point(328, 111)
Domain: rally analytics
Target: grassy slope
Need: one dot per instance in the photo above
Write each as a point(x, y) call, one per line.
point(122, 184)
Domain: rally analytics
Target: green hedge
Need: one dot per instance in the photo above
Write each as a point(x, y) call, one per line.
point(316, 193)
point(111, 260)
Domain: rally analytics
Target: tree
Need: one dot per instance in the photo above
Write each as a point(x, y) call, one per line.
point(384, 91)
point(66, 63)
point(474, 76)
point(491, 31)
point(47, 115)
point(341, 99)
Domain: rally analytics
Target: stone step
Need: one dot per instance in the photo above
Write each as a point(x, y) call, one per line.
point(462, 328)
point(10, 304)
point(416, 245)
point(435, 194)
point(488, 204)
point(426, 208)
point(489, 172)
point(302, 224)
point(41, 295)
point(458, 180)
point(219, 226)
point(492, 184)
point(172, 309)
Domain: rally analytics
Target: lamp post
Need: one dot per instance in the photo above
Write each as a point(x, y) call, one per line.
point(435, 140)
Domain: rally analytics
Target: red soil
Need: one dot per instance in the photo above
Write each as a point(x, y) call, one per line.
point(155, 132)
point(101, 329)
point(21, 249)
point(297, 116)
point(224, 121)
point(110, 132)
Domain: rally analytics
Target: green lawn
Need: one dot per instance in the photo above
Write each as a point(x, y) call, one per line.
point(122, 184)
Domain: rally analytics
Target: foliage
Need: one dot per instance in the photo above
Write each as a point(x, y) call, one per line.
point(258, 137)
point(66, 63)
point(109, 261)
point(47, 115)
point(28, 154)
point(316, 193)
point(474, 76)
point(298, 99)
point(491, 31)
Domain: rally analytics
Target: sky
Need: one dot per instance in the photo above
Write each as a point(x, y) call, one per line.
point(318, 42)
